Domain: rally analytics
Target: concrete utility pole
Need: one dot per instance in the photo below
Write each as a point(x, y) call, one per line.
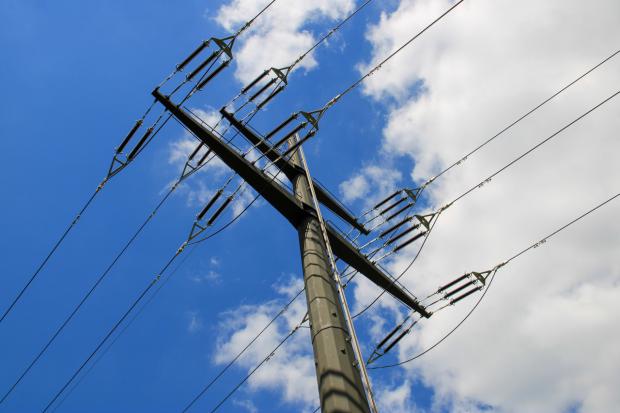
point(339, 380)
point(341, 387)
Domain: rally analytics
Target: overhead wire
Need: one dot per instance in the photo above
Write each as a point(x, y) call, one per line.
point(259, 365)
point(517, 255)
point(494, 174)
point(521, 118)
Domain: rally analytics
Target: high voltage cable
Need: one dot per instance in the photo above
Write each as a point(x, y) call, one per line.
point(49, 255)
point(124, 329)
point(110, 174)
point(377, 67)
point(114, 328)
point(104, 274)
point(240, 353)
point(123, 317)
point(490, 177)
point(532, 149)
point(329, 33)
point(94, 286)
point(532, 246)
point(522, 117)
point(259, 365)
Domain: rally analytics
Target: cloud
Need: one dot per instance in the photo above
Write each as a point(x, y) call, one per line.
point(291, 370)
point(544, 339)
point(195, 323)
point(380, 179)
point(281, 30)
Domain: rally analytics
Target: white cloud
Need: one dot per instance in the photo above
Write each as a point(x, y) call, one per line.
point(281, 30)
point(291, 370)
point(381, 180)
point(544, 340)
point(195, 323)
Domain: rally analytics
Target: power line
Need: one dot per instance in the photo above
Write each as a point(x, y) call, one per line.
point(535, 245)
point(522, 117)
point(490, 177)
point(378, 67)
point(532, 149)
point(49, 255)
point(240, 353)
point(114, 328)
point(259, 365)
point(124, 329)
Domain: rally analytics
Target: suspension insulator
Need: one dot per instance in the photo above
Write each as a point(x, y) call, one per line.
point(402, 234)
point(213, 74)
point(271, 96)
point(396, 340)
point(219, 211)
point(209, 205)
point(129, 136)
point(394, 227)
point(191, 57)
point(204, 157)
point(195, 152)
point(451, 283)
point(262, 89)
point(254, 82)
point(288, 135)
point(461, 288)
point(202, 65)
point(397, 213)
point(386, 200)
point(389, 336)
point(394, 205)
point(140, 143)
point(282, 125)
point(467, 294)
point(413, 239)
point(299, 143)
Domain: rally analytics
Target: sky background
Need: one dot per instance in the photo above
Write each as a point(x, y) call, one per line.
point(78, 74)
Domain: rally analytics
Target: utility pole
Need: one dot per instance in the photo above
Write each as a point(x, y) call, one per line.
point(341, 388)
point(340, 384)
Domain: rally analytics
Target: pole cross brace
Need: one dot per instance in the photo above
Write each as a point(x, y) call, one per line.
point(285, 203)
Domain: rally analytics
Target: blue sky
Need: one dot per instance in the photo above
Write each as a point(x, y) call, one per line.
point(78, 74)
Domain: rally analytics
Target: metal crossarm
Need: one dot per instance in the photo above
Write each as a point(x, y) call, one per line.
point(291, 208)
point(291, 171)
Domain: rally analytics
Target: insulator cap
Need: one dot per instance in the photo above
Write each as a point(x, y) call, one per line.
point(397, 213)
point(282, 125)
point(262, 89)
point(394, 205)
point(132, 132)
point(140, 143)
point(219, 211)
point(209, 205)
point(465, 295)
point(451, 283)
point(202, 65)
point(413, 239)
point(386, 200)
point(254, 82)
point(271, 96)
point(212, 75)
point(459, 289)
point(192, 55)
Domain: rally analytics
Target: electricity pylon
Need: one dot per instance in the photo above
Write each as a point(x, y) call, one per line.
point(338, 376)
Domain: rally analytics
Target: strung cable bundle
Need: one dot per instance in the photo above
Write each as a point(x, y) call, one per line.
point(306, 123)
point(447, 291)
point(488, 180)
point(122, 158)
point(412, 195)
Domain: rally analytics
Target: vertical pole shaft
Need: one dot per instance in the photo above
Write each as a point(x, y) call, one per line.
point(340, 384)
